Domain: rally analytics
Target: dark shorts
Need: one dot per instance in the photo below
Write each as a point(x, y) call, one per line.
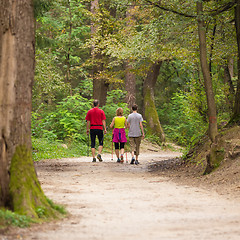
point(93, 134)
point(121, 145)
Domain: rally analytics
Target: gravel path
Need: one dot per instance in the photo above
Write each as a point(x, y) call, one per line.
point(109, 201)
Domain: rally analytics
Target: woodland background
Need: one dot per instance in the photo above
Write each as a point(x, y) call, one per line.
point(109, 49)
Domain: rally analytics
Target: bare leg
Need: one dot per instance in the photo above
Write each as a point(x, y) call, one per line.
point(93, 152)
point(100, 148)
point(117, 152)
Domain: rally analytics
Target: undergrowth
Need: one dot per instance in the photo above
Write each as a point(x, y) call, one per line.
point(9, 218)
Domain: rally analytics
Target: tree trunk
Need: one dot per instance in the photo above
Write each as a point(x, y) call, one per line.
point(19, 186)
point(228, 81)
point(212, 113)
point(130, 77)
point(100, 86)
point(130, 85)
point(236, 110)
point(68, 73)
point(150, 112)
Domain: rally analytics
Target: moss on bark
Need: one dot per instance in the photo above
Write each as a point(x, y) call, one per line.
point(153, 123)
point(214, 158)
point(27, 197)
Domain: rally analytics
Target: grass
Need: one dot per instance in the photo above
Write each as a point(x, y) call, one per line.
point(45, 149)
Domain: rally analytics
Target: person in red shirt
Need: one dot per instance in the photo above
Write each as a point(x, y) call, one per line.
point(96, 120)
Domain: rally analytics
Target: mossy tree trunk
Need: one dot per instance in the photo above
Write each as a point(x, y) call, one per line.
point(150, 112)
point(19, 187)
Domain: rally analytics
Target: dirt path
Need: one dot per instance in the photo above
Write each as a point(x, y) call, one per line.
point(110, 201)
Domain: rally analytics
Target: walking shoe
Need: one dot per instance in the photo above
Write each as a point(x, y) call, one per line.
point(121, 161)
point(94, 160)
point(99, 158)
point(133, 160)
point(136, 162)
point(118, 160)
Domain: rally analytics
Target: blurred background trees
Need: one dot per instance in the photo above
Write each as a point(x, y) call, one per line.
point(143, 52)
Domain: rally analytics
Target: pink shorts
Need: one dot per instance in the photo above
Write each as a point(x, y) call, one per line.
point(119, 135)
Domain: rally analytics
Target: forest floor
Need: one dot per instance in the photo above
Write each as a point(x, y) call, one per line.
point(157, 199)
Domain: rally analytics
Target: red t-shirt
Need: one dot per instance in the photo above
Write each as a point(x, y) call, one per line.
point(95, 116)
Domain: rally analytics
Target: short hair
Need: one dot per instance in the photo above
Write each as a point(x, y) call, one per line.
point(119, 112)
point(134, 107)
point(95, 102)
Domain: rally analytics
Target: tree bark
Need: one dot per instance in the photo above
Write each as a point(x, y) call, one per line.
point(19, 186)
point(130, 77)
point(212, 113)
point(130, 85)
point(100, 86)
point(236, 110)
point(228, 81)
point(150, 112)
point(68, 64)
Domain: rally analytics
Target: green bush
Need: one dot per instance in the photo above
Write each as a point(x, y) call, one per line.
point(8, 218)
point(66, 124)
point(182, 123)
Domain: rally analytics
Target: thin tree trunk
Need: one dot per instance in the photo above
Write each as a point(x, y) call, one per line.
point(100, 86)
point(19, 186)
point(236, 110)
point(212, 113)
point(130, 77)
point(150, 112)
point(68, 73)
point(130, 85)
point(228, 81)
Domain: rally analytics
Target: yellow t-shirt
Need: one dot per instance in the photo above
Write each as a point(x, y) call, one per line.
point(119, 122)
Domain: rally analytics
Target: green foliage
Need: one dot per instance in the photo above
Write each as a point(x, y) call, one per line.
point(181, 121)
point(57, 207)
point(42, 211)
point(65, 122)
point(9, 218)
point(49, 86)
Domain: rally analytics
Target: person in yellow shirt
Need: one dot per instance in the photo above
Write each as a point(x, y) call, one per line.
point(119, 124)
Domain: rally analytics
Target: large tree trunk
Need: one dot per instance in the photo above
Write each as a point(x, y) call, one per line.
point(150, 112)
point(236, 110)
point(212, 113)
point(100, 86)
point(19, 186)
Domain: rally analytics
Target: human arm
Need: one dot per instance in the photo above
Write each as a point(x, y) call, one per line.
point(141, 126)
point(104, 125)
point(126, 123)
point(112, 123)
point(88, 125)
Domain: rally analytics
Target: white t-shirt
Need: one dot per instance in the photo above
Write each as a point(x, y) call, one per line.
point(134, 119)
